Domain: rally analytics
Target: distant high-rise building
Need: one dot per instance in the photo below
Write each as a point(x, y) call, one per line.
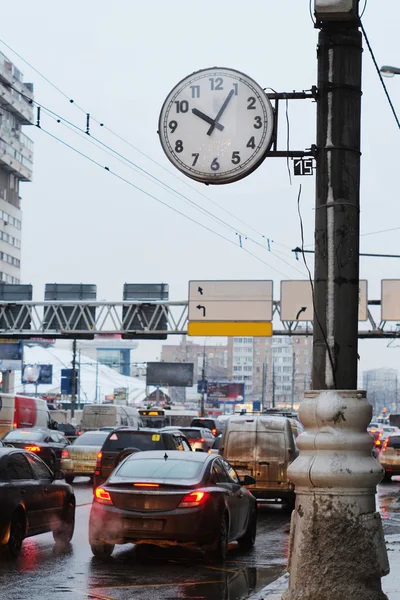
point(382, 386)
point(276, 370)
point(16, 163)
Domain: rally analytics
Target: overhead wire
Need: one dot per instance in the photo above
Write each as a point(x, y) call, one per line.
point(380, 75)
point(130, 183)
point(101, 124)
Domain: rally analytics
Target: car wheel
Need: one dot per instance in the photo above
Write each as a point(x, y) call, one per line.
point(63, 534)
point(69, 478)
point(220, 549)
point(17, 535)
point(248, 540)
point(102, 549)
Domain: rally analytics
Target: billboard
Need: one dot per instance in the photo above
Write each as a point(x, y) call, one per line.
point(225, 391)
point(37, 374)
point(169, 374)
point(11, 352)
point(66, 381)
point(120, 395)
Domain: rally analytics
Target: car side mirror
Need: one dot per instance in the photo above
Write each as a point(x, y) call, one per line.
point(247, 480)
point(58, 474)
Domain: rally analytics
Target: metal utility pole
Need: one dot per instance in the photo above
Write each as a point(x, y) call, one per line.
point(264, 376)
point(203, 382)
point(273, 383)
point(335, 474)
point(293, 375)
point(73, 380)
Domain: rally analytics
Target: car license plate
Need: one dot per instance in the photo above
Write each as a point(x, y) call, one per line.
point(144, 524)
point(83, 467)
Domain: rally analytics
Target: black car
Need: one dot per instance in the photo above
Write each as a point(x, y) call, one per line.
point(32, 501)
point(168, 497)
point(45, 443)
point(68, 430)
point(122, 442)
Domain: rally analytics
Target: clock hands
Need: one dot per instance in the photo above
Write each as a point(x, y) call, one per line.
point(207, 119)
point(221, 110)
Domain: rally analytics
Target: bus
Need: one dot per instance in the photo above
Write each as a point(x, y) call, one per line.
point(157, 418)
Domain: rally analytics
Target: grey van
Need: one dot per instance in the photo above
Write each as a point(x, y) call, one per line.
point(263, 447)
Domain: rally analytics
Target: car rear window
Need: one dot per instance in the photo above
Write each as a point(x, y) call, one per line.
point(91, 439)
point(143, 440)
point(22, 436)
point(394, 441)
point(209, 423)
point(192, 434)
point(159, 468)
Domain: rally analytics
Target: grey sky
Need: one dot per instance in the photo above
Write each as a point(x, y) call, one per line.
point(118, 62)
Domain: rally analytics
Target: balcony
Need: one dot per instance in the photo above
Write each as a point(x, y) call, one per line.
point(19, 142)
point(14, 162)
point(15, 103)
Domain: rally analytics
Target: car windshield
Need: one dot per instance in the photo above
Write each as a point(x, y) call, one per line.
point(192, 434)
point(159, 468)
point(92, 439)
point(21, 435)
point(142, 440)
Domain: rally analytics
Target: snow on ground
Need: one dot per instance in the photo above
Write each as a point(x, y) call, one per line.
point(107, 379)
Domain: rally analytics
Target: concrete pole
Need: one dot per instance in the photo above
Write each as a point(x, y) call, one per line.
point(73, 380)
point(337, 548)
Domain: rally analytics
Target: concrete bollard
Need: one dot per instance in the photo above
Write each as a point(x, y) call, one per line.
point(337, 548)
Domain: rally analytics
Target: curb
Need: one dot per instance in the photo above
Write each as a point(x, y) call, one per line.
point(273, 591)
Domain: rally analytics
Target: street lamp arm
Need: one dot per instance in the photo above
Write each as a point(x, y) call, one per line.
point(388, 71)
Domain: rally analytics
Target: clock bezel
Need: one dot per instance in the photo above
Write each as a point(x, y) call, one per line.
point(240, 171)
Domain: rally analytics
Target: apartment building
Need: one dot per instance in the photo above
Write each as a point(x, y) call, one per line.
point(16, 164)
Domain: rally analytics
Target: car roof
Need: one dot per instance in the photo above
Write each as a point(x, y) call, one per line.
point(175, 454)
point(92, 432)
point(33, 429)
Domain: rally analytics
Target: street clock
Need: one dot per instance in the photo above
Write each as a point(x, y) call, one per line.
point(216, 125)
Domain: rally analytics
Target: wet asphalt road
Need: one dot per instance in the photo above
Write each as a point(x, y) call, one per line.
point(43, 572)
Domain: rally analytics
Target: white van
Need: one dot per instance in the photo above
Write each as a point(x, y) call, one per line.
point(263, 447)
point(23, 411)
point(96, 416)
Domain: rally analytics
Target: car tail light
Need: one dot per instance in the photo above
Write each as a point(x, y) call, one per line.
point(146, 485)
point(214, 431)
point(15, 425)
point(65, 454)
point(385, 443)
point(193, 499)
point(102, 496)
point(98, 460)
point(378, 443)
point(32, 448)
point(197, 440)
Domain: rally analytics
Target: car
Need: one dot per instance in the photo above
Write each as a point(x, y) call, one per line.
point(172, 498)
point(388, 430)
point(32, 500)
point(68, 430)
point(212, 424)
point(215, 447)
point(45, 443)
point(122, 442)
point(389, 457)
point(377, 435)
point(200, 438)
point(80, 457)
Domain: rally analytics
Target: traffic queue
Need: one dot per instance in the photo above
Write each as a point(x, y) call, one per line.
point(196, 486)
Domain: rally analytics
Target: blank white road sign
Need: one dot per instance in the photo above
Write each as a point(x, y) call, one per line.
point(297, 305)
point(230, 300)
point(390, 300)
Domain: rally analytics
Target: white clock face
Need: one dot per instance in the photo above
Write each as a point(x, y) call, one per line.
point(216, 125)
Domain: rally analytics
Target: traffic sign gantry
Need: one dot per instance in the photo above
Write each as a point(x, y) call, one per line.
point(230, 308)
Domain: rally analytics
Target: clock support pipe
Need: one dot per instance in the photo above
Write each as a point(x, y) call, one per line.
point(337, 549)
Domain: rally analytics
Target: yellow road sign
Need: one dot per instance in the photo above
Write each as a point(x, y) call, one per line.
point(230, 328)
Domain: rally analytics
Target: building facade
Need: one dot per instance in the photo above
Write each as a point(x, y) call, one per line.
point(382, 386)
point(16, 164)
point(275, 370)
point(215, 358)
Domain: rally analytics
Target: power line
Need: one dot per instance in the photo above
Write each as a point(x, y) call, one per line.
point(302, 251)
point(101, 124)
point(95, 162)
point(380, 75)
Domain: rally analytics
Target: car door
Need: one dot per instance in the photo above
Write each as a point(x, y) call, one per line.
point(220, 477)
point(243, 496)
point(52, 499)
point(25, 485)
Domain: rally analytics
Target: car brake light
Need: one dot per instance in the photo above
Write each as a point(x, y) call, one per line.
point(148, 485)
point(102, 496)
point(15, 425)
point(98, 460)
point(378, 443)
point(32, 448)
point(214, 431)
point(193, 499)
point(385, 443)
point(64, 454)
